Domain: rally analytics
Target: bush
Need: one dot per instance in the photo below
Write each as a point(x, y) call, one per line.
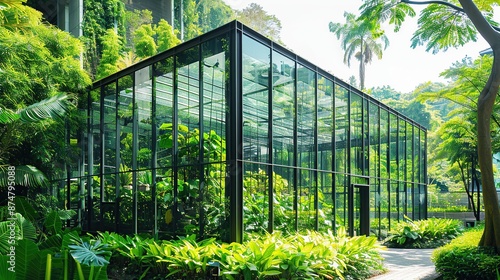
point(311, 255)
point(463, 259)
point(430, 233)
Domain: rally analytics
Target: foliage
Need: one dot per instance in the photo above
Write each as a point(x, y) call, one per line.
point(190, 18)
point(133, 20)
point(99, 17)
point(257, 18)
point(430, 233)
point(311, 255)
point(40, 76)
point(91, 254)
point(144, 43)
point(166, 38)
point(463, 259)
point(111, 49)
point(213, 14)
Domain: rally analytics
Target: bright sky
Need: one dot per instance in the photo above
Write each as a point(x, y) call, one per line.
point(305, 31)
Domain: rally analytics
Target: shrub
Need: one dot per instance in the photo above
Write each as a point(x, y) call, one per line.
point(311, 255)
point(430, 233)
point(463, 259)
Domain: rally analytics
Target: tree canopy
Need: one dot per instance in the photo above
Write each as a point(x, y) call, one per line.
point(40, 78)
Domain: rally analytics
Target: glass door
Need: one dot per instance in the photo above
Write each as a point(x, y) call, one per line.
point(361, 210)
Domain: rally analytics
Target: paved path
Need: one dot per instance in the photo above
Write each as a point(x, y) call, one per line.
point(407, 264)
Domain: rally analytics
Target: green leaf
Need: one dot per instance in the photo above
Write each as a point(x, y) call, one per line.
point(30, 261)
point(5, 273)
point(25, 176)
point(53, 223)
point(90, 253)
point(7, 116)
point(54, 107)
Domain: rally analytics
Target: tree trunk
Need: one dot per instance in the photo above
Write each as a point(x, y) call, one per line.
point(486, 101)
point(491, 234)
point(362, 67)
point(362, 74)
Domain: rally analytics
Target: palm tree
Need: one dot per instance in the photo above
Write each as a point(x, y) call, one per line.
point(360, 38)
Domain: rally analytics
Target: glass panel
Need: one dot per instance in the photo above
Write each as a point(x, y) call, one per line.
point(214, 206)
point(374, 140)
point(255, 83)
point(410, 149)
point(402, 150)
point(356, 117)
point(255, 198)
point(95, 160)
point(409, 170)
point(375, 206)
point(341, 126)
point(124, 127)
point(144, 101)
point(188, 106)
point(393, 151)
point(384, 208)
point(283, 109)
point(326, 209)
point(341, 205)
point(402, 199)
point(125, 218)
point(284, 213)
point(416, 155)
point(394, 202)
point(167, 217)
point(145, 203)
point(423, 157)
point(110, 148)
point(189, 171)
point(365, 146)
point(164, 87)
point(325, 124)
point(215, 59)
point(306, 158)
point(125, 121)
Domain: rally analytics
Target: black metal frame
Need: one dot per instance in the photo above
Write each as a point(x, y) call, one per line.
point(234, 140)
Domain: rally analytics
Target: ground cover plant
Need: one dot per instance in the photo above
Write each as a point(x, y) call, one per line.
point(462, 258)
point(430, 233)
point(311, 255)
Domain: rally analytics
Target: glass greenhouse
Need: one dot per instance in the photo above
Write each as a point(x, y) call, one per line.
point(230, 134)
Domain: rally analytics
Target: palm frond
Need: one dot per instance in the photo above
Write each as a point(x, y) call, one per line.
point(7, 116)
point(24, 175)
point(54, 107)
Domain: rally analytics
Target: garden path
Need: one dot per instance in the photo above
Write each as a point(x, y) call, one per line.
point(408, 264)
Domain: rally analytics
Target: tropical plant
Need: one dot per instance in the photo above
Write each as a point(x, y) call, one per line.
point(457, 141)
point(91, 253)
point(430, 233)
point(360, 39)
point(311, 255)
